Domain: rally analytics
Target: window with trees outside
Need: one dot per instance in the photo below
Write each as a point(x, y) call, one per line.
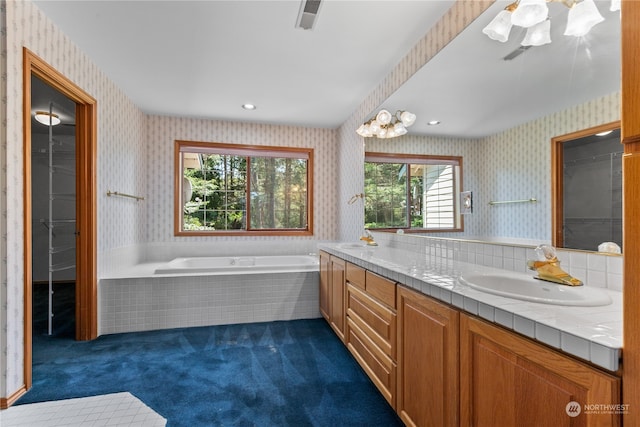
point(412, 192)
point(224, 189)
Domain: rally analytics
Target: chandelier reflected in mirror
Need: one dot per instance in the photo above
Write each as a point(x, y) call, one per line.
point(534, 16)
point(386, 125)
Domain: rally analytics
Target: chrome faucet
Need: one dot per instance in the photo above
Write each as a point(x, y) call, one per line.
point(548, 267)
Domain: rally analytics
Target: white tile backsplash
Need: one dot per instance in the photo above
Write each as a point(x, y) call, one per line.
point(594, 269)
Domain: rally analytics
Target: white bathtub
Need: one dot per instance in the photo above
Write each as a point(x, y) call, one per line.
point(202, 291)
point(241, 265)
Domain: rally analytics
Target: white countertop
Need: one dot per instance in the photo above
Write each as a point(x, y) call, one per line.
point(590, 333)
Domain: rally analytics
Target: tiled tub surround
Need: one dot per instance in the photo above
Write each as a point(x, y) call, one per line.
point(139, 300)
point(590, 333)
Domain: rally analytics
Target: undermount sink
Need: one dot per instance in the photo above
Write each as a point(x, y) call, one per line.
point(520, 286)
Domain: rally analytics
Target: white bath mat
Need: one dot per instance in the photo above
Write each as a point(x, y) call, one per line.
point(117, 409)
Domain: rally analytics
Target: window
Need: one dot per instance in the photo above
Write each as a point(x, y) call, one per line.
point(412, 192)
point(226, 189)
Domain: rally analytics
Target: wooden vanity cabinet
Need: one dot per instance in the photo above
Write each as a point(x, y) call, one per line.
point(333, 292)
point(427, 384)
point(508, 380)
point(371, 327)
point(439, 367)
point(325, 285)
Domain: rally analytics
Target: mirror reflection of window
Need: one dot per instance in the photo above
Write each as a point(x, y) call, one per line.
point(591, 196)
point(412, 192)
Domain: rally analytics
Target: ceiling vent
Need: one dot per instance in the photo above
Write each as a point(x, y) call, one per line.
point(307, 14)
point(519, 51)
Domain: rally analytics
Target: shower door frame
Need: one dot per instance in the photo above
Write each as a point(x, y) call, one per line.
point(86, 311)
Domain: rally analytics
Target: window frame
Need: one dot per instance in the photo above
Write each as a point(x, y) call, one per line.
point(424, 159)
point(248, 151)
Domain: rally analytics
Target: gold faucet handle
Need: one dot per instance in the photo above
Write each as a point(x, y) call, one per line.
point(534, 265)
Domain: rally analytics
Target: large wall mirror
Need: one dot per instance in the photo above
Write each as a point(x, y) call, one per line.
point(499, 105)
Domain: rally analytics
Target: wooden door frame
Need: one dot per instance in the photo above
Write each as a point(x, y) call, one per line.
point(557, 179)
point(86, 311)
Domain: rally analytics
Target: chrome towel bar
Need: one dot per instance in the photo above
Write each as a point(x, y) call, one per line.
point(531, 200)
point(117, 193)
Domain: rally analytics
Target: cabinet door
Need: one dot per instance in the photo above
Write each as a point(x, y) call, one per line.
point(338, 296)
point(508, 380)
point(325, 284)
point(427, 383)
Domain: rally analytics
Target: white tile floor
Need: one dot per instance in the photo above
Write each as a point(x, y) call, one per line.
point(117, 409)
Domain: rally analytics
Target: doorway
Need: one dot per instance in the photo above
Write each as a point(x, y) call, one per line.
point(53, 204)
point(85, 230)
point(587, 189)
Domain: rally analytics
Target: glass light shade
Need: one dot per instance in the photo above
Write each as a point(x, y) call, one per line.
point(615, 5)
point(47, 118)
point(538, 35)
point(529, 13)
point(363, 130)
point(391, 132)
point(374, 127)
point(381, 133)
point(500, 27)
point(399, 129)
point(383, 117)
point(582, 17)
point(407, 118)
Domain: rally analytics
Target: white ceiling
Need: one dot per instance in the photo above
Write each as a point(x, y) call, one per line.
point(475, 93)
point(205, 59)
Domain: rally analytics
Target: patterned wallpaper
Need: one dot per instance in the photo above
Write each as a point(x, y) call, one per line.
point(516, 164)
point(121, 163)
point(4, 306)
point(163, 131)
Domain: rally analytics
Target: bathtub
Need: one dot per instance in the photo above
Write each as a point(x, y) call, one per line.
point(243, 264)
point(205, 291)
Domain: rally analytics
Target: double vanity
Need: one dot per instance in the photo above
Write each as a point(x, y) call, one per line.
point(452, 343)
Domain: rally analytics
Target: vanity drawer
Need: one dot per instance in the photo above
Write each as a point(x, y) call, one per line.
point(381, 288)
point(356, 275)
point(378, 366)
point(373, 318)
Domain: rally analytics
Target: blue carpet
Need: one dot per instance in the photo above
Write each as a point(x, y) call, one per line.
point(294, 373)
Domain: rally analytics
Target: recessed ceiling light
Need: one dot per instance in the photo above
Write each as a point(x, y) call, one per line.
point(249, 106)
point(605, 133)
point(433, 122)
point(47, 118)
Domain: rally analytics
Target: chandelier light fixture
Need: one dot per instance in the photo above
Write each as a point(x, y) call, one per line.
point(534, 16)
point(386, 125)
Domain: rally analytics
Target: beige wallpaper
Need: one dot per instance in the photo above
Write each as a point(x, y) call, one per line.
point(121, 164)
